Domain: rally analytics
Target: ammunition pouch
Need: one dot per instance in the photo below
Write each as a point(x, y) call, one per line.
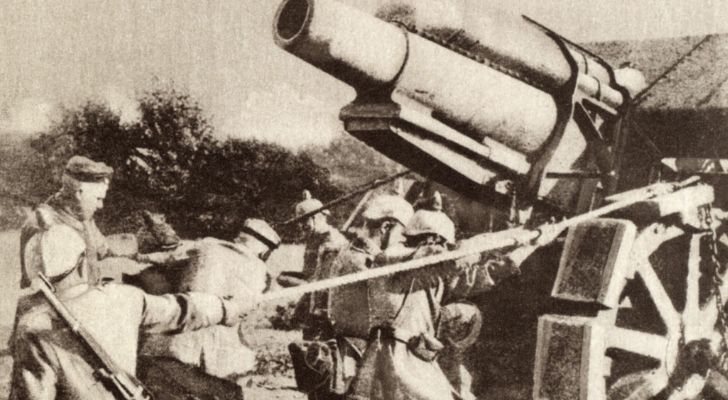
point(425, 347)
point(317, 366)
point(459, 326)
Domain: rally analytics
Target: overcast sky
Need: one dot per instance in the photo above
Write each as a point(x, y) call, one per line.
point(61, 52)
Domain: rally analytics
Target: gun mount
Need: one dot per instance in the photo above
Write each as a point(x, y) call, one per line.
point(471, 100)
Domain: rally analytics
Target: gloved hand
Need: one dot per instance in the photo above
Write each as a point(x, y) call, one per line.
point(237, 308)
point(547, 234)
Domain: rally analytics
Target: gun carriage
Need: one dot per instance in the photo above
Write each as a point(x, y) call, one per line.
point(474, 100)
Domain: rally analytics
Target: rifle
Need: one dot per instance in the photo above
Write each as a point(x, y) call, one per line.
point(363, 189)
point(123, 385)
point(486, 242)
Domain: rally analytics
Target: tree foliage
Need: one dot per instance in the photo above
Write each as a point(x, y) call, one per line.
point(352, 162)
point(170, 161)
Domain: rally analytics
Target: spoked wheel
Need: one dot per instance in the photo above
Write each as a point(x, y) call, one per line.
point(667, 355)
point(658, 338)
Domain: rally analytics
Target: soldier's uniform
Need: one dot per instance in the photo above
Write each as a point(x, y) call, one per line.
point(58, 210)
point(225, 269)
point(405, 315)
point(50, 362)
point(325, 369)
point(321, 248)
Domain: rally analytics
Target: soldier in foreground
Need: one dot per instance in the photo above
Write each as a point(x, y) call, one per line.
point(384, 219)
point(224, 269)
point(50, 362)
point(84, 186)
point(401, 325)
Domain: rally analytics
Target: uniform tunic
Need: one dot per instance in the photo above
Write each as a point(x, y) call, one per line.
point(224, 269)
point(401, 308)
point(57, 213)
point(328, 246)
point(393, 311)
point(321, 248)
point(51, 363)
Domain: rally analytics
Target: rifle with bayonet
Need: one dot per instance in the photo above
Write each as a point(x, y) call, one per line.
point(123, 385)
point(486, 242)
point(363, 189)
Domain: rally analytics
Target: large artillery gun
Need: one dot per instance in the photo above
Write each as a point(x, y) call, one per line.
point(474, 100)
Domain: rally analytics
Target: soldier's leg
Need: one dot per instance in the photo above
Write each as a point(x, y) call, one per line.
point(460, 325)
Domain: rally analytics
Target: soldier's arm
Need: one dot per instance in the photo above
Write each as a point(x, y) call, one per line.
point(481, 272)
point(176, 313)
point(166, 257)
point(33, 376)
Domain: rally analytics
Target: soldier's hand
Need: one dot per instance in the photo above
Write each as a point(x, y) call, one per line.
point(719, 215)
point(547, 234)
point(237, 308)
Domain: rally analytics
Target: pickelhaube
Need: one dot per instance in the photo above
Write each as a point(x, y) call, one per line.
point(308, 204)
point(388, 206)
point(431, 222)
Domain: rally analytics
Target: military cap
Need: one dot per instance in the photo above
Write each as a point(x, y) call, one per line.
point(260, 230)
point(84, 169)
point(431, 222)
point(308, 204)
point(388, 206)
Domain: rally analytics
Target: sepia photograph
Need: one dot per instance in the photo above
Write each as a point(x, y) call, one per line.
point(364, 200)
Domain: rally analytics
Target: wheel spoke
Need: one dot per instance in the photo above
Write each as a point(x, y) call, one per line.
point(659, 296)
point(691, 313)
point(643, 343)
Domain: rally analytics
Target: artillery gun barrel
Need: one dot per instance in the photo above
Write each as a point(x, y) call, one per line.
point(375, 56)
point(508, 96)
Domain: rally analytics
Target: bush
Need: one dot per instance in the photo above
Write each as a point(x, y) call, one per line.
point(170, 162)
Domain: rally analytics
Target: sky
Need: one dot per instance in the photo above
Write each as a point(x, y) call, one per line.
point(56, 53)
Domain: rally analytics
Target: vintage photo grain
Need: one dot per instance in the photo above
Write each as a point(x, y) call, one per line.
point(364, 199)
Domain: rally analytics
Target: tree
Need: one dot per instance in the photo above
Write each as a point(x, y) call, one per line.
point(170, 162)
point(351, 161)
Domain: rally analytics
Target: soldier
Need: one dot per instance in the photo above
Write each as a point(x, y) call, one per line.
point(323, 242)
point(84, 186)
point(325, 370)
point(224, 269)
point(404, 310)
point(50, 362)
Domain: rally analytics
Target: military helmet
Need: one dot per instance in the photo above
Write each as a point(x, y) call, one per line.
point(388, 206)
point(260, 230)
point(308, 204)
point(431, 222)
